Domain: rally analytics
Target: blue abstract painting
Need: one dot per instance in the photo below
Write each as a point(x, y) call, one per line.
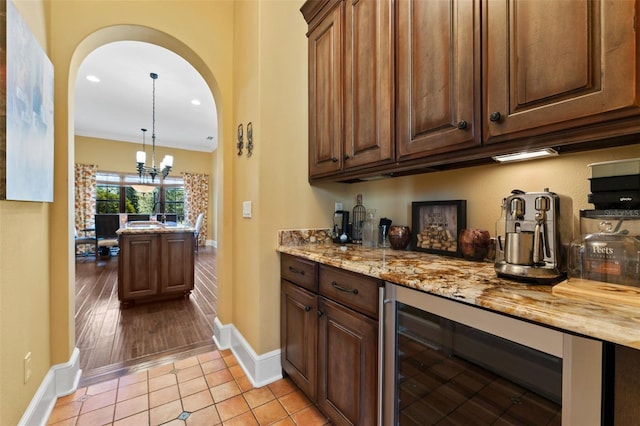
point(29, 113)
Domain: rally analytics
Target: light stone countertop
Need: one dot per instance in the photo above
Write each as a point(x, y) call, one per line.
point(473, 283)
point(154, 228)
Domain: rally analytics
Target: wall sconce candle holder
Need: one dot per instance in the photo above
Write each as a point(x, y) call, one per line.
point(249, 139)
point(240, 143)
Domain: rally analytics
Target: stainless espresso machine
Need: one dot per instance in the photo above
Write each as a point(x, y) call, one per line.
point(533, 235)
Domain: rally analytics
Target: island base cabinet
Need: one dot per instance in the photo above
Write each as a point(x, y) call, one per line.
point(155, 266)
point(177, 254)
point(347, 365)
point(137, 273)
point(299, 323)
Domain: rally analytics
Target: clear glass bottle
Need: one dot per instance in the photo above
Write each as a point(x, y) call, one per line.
point(370, 229)
point(500, 232)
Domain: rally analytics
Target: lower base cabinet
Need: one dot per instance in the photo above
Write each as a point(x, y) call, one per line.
point(347, 365)
point(626, 391)
point(299, 325)
point(329, 338)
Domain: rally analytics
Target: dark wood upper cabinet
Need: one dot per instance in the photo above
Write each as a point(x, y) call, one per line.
point(438, 76)
point(408, 86)
point(368, 84)
point(325, 94)
point(556, 65)
point(351, 85)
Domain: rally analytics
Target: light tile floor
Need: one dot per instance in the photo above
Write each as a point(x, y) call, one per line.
point(208, 389)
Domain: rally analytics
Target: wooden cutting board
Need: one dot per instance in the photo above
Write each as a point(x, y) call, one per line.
point(597, 291)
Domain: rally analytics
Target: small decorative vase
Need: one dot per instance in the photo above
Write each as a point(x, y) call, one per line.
point(474, 243)
point(399, 237)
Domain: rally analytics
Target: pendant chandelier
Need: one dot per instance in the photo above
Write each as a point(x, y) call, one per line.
point(147, 174)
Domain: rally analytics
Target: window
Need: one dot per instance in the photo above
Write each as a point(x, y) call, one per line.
point(108, 194)
point(115, 194)
point(174, 201)
point(108, 199)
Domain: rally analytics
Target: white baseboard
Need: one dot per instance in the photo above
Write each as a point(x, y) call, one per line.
point(221, 334)
point(260, 369)
point(212, 243)
point(60, 380)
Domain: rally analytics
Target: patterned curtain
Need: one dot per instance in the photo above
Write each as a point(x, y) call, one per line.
point(85, 198)
point(196, 201)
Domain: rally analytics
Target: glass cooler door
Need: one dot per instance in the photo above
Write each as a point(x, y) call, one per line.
point(450, 363)
point(449, 373)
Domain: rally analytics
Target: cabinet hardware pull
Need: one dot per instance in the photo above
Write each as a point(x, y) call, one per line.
point(296, 271)
point(334, 159)
point(495, 116)
point(339, 287)
point(346, 157)
point(462, 125)
point(320, 313)
point(307, 308)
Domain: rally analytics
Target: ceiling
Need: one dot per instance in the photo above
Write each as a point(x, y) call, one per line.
point(120, 104)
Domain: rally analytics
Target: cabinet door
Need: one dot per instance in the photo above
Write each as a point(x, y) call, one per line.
point(438, 80)
point(298, 334)
point(325, 95)
point(369, 91)
point(347, 365)
point(553, 65)
point(137, 266)
point(177, 262)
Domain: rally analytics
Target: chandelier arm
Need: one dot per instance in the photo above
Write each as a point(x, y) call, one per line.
point(167, 163)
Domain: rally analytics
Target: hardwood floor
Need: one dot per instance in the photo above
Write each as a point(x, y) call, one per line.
point(112, 340)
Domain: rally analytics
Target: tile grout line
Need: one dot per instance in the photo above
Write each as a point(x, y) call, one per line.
point(228, 360)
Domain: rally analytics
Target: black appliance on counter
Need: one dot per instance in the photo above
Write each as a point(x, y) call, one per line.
point(341, 231)
point(615, 184)
point(609, 247)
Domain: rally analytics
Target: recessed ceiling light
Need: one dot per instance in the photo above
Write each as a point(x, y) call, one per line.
point(93, 79)
point(195, 102)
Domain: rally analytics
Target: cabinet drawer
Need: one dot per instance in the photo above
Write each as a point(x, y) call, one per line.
point(299, 271)
point(352, 290)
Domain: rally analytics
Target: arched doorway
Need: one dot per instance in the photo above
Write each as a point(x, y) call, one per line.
point(100, 38)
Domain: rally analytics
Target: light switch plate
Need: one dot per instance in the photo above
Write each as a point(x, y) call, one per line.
point(246, 209)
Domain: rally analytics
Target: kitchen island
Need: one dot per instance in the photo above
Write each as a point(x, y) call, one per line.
point(156, 261)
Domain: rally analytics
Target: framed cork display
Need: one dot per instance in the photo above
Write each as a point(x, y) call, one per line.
point(437, 225)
